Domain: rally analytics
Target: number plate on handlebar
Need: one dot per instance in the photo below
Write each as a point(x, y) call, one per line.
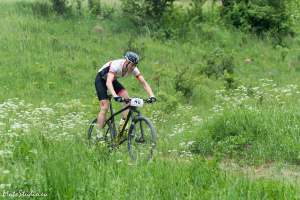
point(136, 102)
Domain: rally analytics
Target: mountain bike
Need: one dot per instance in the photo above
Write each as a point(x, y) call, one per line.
point(141, 137)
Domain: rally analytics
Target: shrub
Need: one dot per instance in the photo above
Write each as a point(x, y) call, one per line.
point(258, 16)
point(195, 13)
point(146, 12)
point(67, 7)
point(60, 6)
point(79, 6)
point(174, 25)
point(164, 20)
point(178, 22)
point(185, 81)
point(218, 63)
point(94, 6)
point(42, 8)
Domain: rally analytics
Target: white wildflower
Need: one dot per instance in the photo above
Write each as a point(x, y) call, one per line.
point(182, 144)
point(190, 143)
point(196, 118)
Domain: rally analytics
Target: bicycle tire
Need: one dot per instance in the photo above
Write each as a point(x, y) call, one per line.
point(92, 134)
point(141, 150)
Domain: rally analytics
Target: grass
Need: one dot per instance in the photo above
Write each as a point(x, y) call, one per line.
point(49, 65)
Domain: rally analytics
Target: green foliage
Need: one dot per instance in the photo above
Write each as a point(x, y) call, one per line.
point(164, 20)
point(61, 7)
point(79, 7)
point(174, 25)
point(146, 12)
point(94, 6)
point(179, 22)
point(135, 45)
point(254, 124)
point(42, 8)
point(258, 16)
point(68, 8)
point(168, 103)
point(185, 81)
point(195, 12)
point(43, 59)
point(218, 63)
point(256, 135)
point(155, 9)
point(293, 8)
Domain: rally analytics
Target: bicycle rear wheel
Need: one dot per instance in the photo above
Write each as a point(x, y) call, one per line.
point(141, 139)
point(94, 136)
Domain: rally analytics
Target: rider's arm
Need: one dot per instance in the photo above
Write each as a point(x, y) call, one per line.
point(110, 87)
point(145, 85)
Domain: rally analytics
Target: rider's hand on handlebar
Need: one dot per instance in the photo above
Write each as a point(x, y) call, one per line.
point(151, 100)
point(118, 99)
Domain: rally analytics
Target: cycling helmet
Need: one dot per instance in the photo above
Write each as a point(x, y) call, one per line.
point(132, 57)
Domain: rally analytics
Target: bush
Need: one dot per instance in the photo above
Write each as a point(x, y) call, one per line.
point(172, 25)
point(258, 16)
point(67, 7)
point(218, 64)
point(42, 8)
point(195, 13)
point(185, 81)
point(60, 7)
point(178, 22)
point(94, 6)
point(164, 20)
point(146, 12)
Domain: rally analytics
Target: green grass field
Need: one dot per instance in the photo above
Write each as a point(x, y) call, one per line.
point(213, 143)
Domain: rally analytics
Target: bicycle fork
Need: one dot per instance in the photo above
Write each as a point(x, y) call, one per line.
point(132, 133)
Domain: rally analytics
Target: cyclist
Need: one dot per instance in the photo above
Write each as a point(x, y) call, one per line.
point(106, 79)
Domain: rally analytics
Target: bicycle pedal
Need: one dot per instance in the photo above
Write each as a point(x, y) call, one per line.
point(140, 140)
point(99, 137)
point(122, 140)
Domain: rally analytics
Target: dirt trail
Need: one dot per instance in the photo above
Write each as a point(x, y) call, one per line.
point(272, 170)
point(276, 171)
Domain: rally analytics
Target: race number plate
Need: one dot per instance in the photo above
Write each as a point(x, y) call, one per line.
point(136, 102)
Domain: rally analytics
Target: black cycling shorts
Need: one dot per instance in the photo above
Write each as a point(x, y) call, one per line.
point(101, 87)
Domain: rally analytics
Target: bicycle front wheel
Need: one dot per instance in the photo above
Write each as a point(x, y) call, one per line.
point(141, 139)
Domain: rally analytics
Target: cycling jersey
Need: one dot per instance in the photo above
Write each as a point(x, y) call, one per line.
point(118, 68)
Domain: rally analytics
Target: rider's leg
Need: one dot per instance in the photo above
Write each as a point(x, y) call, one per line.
point(123, 93)
point(102, 114)
point(100, 85)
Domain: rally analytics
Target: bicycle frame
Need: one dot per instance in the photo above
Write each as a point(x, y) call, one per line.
point(111, 120)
